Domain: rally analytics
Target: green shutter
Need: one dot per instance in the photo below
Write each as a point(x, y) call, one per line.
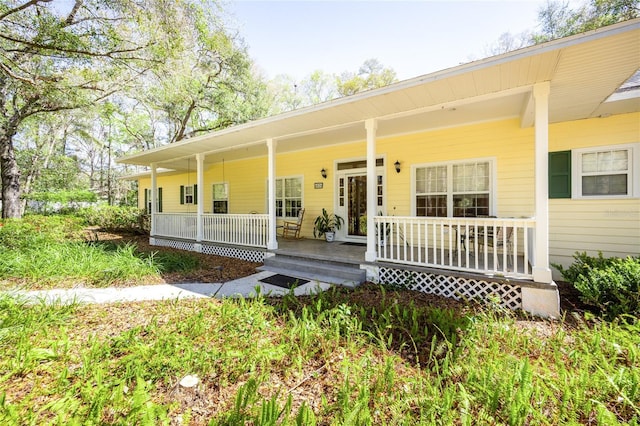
point(560, 174)
point(159, 200)
point(181, 194)
point(146, 200)
point(195, 194)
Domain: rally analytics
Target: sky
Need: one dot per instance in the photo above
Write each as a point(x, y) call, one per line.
point(411, 37)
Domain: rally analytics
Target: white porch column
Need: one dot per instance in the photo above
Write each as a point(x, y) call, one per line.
point(272, 242)
point(371, 126)
point(199, 195)
point(541, 270)
point(154, 198)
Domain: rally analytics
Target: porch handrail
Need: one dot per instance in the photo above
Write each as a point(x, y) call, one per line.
point(176, 225)
point(497, 246)
point(238, 229)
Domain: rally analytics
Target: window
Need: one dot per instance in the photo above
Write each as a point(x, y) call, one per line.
point(604, 172)
point(288, 196)
point(454, 189)
point(221, 198)
point(188, 194)
point(147, 200)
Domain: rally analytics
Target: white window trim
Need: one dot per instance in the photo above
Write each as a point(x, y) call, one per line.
point(213, 198)
point(633, 177)
point(301, 177)
point(147, 207)
point(193, 194)
point(493, 182)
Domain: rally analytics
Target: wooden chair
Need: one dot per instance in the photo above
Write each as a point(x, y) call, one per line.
point(292, 229)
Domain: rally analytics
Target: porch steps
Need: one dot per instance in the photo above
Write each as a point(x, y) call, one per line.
point(315, 269)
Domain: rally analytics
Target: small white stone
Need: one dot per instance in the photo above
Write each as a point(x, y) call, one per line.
point(189, 381)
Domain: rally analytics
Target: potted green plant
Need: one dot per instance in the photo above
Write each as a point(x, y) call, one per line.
point(326, 224)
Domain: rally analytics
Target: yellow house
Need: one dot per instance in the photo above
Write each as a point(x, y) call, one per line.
point(470, 181)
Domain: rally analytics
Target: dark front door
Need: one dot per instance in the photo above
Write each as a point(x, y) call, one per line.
point(357, 206)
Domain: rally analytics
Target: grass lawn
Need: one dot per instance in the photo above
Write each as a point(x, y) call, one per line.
point(371, 355)
point(364, 356)
point(58, 252)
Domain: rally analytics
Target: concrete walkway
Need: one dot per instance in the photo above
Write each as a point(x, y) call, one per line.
point(243, 287)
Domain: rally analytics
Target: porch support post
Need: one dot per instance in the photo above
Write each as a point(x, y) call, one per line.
point(371, 126)
point(272, 242)
point(541, 270)
point(200, 195)
point(154, 199)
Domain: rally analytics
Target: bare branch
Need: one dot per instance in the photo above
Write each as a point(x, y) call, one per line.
point(32, 81)
point(74, 12)
point(93, 18)
point(22, 7)
point(11, 74)
point(113, 54)
point(57, 108)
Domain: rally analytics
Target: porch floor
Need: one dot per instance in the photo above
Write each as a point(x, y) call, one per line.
point(320, 249)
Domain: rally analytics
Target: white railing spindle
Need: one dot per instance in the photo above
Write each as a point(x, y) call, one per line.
point(237, 229)
point(498, 246)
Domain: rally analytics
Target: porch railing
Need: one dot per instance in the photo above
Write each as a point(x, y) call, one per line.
point(481, 245)
point(238, 229)
point(176, 225)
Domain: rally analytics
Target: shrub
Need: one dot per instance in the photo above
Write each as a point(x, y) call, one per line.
point(34, 230)
point(611, 285)
point(116, 218)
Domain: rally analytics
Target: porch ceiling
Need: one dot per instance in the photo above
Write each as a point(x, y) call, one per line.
point(583, 70)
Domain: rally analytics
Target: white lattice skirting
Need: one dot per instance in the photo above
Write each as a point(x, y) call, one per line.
point(509, 296)
point(236, 253)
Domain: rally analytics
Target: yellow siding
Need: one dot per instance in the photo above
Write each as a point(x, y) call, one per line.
point(614, 130)
point(170, 184)
point(608, 225)
point(143, 183)
point(612, 226)
point(247, 185)
point(511, 146)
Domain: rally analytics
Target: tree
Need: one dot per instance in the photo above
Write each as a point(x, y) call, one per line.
point(289, 95)
point(210, 85)
point(42, 157)
point(372, 74)
point(318, 87)
point(66, 56)
point(557, 19)
point(55, 59)
point(508, 42)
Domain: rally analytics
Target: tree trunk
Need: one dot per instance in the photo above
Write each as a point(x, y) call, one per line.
point(10, 177)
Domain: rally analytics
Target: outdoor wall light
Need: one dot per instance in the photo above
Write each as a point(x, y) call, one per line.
point(397, 165)
point(323, 172)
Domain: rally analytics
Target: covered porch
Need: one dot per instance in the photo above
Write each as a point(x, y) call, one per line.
point(501, 247)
